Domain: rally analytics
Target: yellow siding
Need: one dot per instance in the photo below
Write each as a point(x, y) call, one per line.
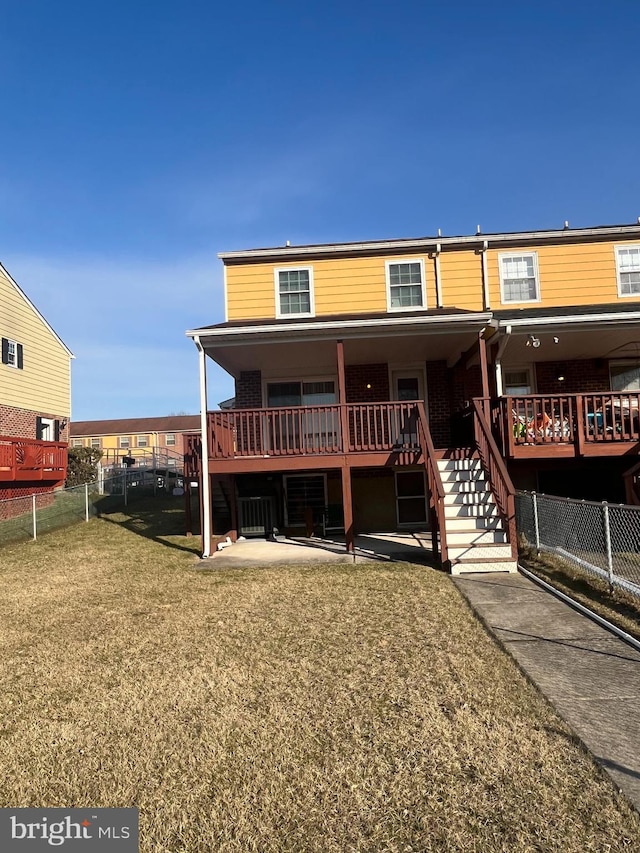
point(341, 286)
point(579, 274)
point(583, 274)
point(44, 384)
point(461, 280)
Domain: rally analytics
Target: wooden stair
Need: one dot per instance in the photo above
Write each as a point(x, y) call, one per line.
point(477, 539)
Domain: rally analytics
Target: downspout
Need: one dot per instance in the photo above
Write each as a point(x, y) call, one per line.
point(436, 261)
point(485, 275)
point(204, 461)
point(501, 348)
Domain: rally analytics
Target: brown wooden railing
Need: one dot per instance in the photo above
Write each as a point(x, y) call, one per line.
point(28, 459)
point(496, 471)
point(561, 419)
point(436, 489)
point(317, 430)
point(192, 454)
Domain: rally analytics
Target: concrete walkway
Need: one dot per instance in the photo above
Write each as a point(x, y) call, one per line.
point(590, 676)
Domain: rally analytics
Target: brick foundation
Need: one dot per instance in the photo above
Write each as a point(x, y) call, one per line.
point(586, 376)
point(367, 383)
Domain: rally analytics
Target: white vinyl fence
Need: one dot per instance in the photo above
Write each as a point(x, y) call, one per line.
point(601, 539)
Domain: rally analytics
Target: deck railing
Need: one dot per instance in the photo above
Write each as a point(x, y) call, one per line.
point(562, 419)
point(28, 459)
point(317, 430)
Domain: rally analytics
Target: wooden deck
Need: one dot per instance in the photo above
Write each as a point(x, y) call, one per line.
point(564, 426)
point(27, 460)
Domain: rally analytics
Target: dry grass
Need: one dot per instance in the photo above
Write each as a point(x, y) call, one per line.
point(618, 606)
point(304, 708)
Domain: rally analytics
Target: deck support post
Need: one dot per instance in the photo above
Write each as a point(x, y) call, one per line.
point(233, 509)
point(205, 491)
point(484, 370)
point(347, 507)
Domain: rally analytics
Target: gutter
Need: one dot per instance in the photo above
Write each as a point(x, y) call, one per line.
point(506, 337)
point(571, 319)
point(341, 326)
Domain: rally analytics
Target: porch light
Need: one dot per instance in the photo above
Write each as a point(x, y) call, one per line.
point(368, 386)
point(560, 378)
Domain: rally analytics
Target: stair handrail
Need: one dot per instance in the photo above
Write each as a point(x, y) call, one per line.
point(494, 467)
point(436, 489)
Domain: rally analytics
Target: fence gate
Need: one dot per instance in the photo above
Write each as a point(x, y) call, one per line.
point(255, 516)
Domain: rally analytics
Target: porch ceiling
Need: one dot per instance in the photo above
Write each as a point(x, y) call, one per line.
point(319, 355)
point(609, 342)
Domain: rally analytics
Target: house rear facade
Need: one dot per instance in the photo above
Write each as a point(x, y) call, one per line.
point(35, 398)
point(409, 384)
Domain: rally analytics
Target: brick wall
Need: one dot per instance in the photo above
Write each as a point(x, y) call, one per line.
point(439, 389)
point(367, 383)
point(580, 377)
point(21, 423)
point(249, 390)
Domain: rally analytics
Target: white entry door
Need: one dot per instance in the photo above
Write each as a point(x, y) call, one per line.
point(408, 385)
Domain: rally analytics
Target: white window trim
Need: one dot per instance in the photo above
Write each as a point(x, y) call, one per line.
point(387, 272)
point(122, 438)
point(13, 363)
point(145, 439)
point(536, 271)
point(276, 283)
point(620, 293)
point(166, 439)
point(519, 368)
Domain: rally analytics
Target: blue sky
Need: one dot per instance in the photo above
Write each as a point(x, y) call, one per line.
point(141, 138)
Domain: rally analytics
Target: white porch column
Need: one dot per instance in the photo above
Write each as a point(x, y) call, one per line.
point(204, 462)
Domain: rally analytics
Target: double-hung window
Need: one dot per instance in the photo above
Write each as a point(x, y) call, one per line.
point(12, 353)
point(628, 270)
point(519, 279)
point(405, 285)
point(294, 292)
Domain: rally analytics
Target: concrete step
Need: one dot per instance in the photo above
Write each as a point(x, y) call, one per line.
point(458, 510)
point(466, 522)
point(475, 537)
point(460, 568)
point(465, 474)
point(459, 464)
point(466, 486)
point(463, 553)
point(470, 498)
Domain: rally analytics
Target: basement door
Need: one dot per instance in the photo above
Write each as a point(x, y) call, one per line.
point(411, 499)
point(304, 493)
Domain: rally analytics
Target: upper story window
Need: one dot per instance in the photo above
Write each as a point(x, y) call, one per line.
point(12, 353)
point(519, 279)
point(95, 443)
point(405, 285)
point(142, 441)
point(170, 439)
point(123, 441)
point(628, 269)
point(294, 292)
point(77, 442)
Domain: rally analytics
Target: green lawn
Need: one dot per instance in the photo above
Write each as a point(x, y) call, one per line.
point(302, 708)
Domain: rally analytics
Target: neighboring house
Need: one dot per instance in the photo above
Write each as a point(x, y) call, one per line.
point(151, 442)
point(35, 398)
point(403, 384)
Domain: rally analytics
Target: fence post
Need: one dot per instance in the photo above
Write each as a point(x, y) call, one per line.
point(607, 543)
point(536, 526)
point(35, 523)
point(86, 501)
point(125, 471)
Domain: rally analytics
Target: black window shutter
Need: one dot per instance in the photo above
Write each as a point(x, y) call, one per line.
point(38, 429)
point(5, 351)
point(20, 356)
point(56, 430)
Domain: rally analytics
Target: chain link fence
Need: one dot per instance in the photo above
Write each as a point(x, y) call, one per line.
point(599, 538)
point(31, 516)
